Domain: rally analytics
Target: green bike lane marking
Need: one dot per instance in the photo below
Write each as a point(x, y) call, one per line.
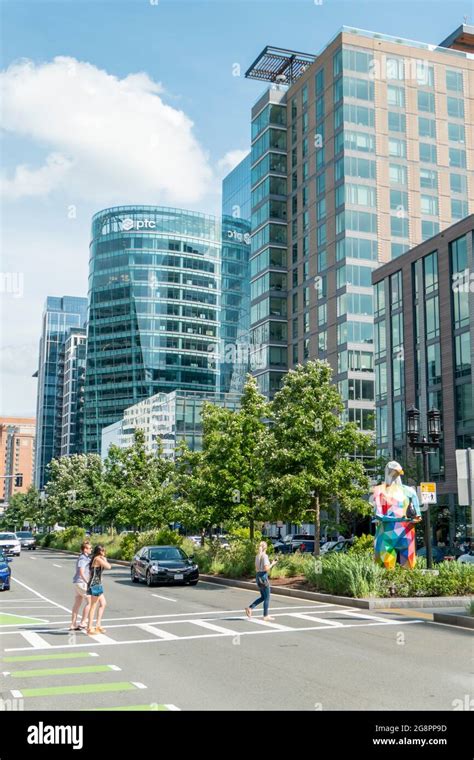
point(10, 619)
point(42, 672)
point(136, 708)
point(42, 657)
point(86, 688)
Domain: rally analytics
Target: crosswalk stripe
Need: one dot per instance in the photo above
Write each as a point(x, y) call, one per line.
point(269, 624)
point(101, 638)
point(36, 641)
point(153, 707)
point(158, 632)
point(302, 616)
point(212, 627)
point(350, 613)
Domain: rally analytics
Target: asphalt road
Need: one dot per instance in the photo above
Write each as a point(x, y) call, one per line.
point(191, 648)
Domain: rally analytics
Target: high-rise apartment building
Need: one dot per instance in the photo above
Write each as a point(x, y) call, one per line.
point(234, 323)
point(71, 393)
point(424, 352)
point(59, 316)
point(154, 289)
point(17, 449)
point(358, 154)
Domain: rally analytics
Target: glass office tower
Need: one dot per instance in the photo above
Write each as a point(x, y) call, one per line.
point(59, 316)
point(376, 152)
point(153, 309)
point(234, 343)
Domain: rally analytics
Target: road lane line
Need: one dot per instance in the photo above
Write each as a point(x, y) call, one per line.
point(16, 694)
point(173, 707)
point(302, 616)
point(139, 685)
point(60, 566)
point(166, 598)
point(159, 632)
point(212, 627)
point(36, 641)
point(37, 593)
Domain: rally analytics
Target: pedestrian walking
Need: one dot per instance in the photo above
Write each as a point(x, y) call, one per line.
point(95, 589)
point(262, 567)
point(80, 581)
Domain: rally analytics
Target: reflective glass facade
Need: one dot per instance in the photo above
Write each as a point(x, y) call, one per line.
point(235, 302)
point(59, 316)
point(154, 289)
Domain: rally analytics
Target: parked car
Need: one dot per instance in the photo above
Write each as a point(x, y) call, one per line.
point(27, 539)
point(336, 546)
point(5, 572)
point(293, 542)
point(438, 553)
point(163, 564)
point(467, 558)
point(10, 544)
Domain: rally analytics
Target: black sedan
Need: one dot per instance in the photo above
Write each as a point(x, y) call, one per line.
point(163, 564)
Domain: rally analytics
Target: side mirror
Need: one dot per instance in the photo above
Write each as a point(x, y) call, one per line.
point(9, 559)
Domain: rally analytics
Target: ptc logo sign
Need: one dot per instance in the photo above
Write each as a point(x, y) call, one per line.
point(140, 224)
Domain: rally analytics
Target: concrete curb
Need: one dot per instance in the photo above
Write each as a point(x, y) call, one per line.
point(462, 621)
point(412, 602)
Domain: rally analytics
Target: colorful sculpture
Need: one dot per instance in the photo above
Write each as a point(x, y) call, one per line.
point(396, 511)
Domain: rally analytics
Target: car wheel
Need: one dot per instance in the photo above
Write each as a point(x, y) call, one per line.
point(149, 581)
point(193, 583)
point(133, 576)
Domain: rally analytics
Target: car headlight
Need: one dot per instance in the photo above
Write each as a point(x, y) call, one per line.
point(155, 568)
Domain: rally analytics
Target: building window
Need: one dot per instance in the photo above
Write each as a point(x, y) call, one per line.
point(426, 127)
point(319, 82)
point(395, 96)
point(397, 148)
point(429, 205)
point(454, 80)
point(432, 318)
point(426, 101)
point(455, 107)
point(429, 229)
point(428, 153)
point(399, 226)
point(396, 121)
point(428, 179)
point(458, 183)
point(433, 364)
point(462, 345)
point(398, 174)
point(459, 209)
point(457, 158)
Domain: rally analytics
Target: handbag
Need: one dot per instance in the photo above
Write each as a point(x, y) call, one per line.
point(97, 590)
point(262, 580)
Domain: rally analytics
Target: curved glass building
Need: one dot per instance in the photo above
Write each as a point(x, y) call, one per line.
point(153, 309)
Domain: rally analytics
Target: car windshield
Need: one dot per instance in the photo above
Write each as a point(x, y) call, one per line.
point(7, 537)
point(2, 557)
point(167, 553)
point(24, 534)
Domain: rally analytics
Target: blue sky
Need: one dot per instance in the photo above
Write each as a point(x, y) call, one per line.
point(81, 160)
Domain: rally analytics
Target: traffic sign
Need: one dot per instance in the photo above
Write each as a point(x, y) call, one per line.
point(428, 493)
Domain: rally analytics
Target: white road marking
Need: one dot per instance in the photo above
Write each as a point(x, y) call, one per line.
point(57, 565)
point(36, 641)
point(33, 558)
point(139, 685)
point(158, 632)
point(189, 614)
point(166, 598)
point(212, 627)
point(114, 667)
point(28, 588)
point(173, 707)
point(16, 694)
point(269, 624)
point(364, 617)
point(302, 616)
point(101, 638)
point(262, 630)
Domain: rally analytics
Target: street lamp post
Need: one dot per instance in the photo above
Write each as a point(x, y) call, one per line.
point(428, 444)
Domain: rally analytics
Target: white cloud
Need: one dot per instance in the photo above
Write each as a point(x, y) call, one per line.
point(230, 160)
point(111, 140)
point(29, 182)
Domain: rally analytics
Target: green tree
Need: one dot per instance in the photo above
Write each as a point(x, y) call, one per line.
point(234, 447)
point(311, 459)
point(139, 485)
point(75, 490)
point(23, 508)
